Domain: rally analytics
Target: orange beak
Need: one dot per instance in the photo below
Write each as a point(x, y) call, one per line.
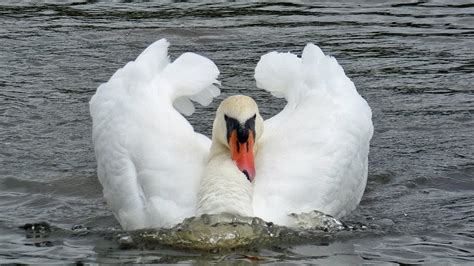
point(242, 154)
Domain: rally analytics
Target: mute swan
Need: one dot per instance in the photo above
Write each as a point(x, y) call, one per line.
point(156, 171)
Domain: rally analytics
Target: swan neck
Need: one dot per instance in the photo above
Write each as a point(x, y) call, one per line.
point(218, 150)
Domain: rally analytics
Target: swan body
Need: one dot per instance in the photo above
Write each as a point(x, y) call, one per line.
point(156, 171)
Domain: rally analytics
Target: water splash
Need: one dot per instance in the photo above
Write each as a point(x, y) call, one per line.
point(229, 231)
point(317, 220)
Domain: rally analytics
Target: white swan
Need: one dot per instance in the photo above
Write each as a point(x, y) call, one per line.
point(156, 171)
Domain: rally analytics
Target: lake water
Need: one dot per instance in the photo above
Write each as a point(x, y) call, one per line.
point(413, 61)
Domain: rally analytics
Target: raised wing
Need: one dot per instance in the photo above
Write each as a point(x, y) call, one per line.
point(149, 158)
point(313, 154)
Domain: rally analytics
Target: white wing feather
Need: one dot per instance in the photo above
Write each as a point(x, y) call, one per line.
point(313, 154)
point(149, 157)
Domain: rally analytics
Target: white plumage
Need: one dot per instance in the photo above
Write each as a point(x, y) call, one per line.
point(311, 156)
point(149, 158)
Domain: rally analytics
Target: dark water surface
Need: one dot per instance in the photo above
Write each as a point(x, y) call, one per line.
point(412, 60)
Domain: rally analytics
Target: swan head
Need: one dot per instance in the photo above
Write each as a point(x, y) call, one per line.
point(238, 127)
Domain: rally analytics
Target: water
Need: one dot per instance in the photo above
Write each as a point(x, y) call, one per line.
point(413, 61)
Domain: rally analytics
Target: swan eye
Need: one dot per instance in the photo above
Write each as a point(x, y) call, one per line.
point(250, 125)
point(231, 125)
